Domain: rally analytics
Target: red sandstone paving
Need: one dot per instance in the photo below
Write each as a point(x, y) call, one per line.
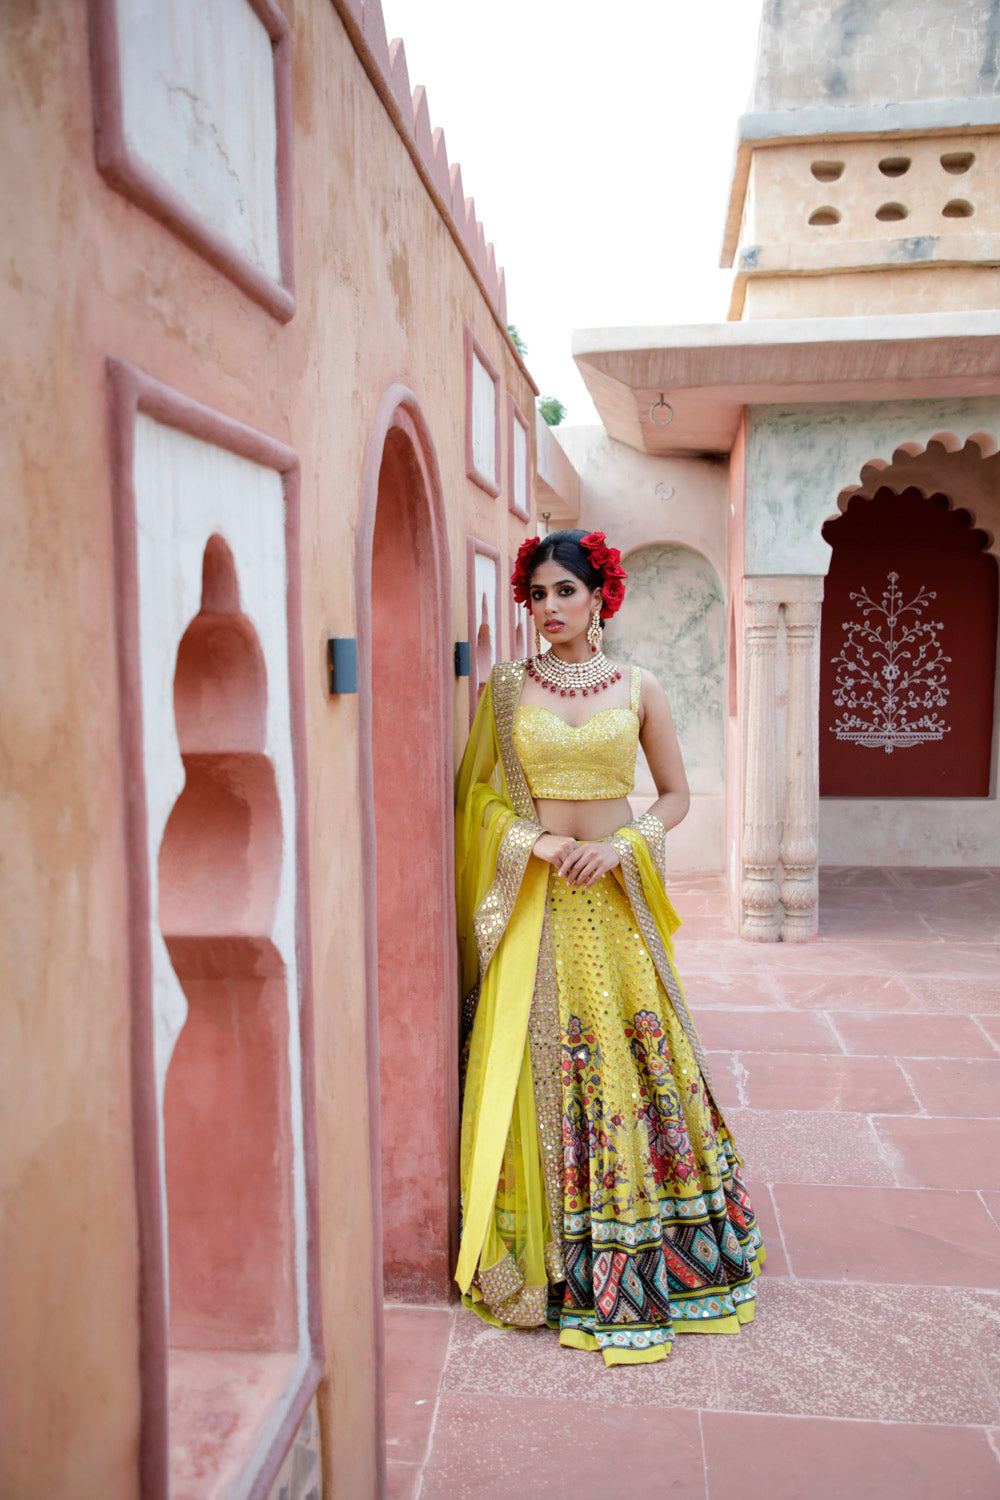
point(830, 1044)
point(811, 1458)
point(820, 1350)
point(953, 1086)
point(726, 1074)
point(729, 991)
point(912, 1035)
point(765, 1031)
point(836, 992)
point(991, 1025)
point(904, 1235)
point(980, 1312)
point(980, 997)
point(763, 1207)
point(401, 1480)
point(780, 1145)
point(802, 1081)
point(492, 1362)
point(408, 1421)
point(992, 1202)
point(416, 1342)
point(942, 1153)
point(550, 1448)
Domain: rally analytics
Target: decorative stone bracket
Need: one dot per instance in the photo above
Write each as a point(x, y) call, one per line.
point(779, 895)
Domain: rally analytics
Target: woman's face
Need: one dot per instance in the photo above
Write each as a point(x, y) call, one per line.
point(561, 603)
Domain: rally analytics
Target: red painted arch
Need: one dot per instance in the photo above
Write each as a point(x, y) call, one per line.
point(398, 410)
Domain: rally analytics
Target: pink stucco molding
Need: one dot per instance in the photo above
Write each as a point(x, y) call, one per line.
point(516, 613)
point(399, 408)
point(136, 180)
point(131, 391)
point(473, 351)
point(385, 64)
point(477, 678)
point(516, 416)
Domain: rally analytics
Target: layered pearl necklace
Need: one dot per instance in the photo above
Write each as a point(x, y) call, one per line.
point(567, 678)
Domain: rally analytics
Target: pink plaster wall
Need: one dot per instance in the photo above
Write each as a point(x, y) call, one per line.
point(735, 570)
point(384, 290)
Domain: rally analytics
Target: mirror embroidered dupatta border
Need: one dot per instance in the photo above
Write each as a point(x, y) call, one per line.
point(509, 982)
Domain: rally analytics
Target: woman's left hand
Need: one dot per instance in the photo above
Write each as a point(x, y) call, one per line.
point(588, 862)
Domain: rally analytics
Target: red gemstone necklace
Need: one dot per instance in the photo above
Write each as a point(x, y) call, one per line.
point(567, 678)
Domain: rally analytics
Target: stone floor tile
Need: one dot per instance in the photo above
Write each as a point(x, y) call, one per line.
point(980, 1312)
point(955, 995)
point(729, 991)
point(704, 927)
point(849, 877)
point(992, 1202)
point(683, 881)
point(726, 1073)
point(931, 959)
point(848, 1351)
point(808, 1146)
point(962, 927)
point(869, 898)
point(545, 1448)
point(883, 922)
point(953, 1085)
point(708, 902)
point(991, 1025)
point(912, 1035)
point(834, 992)
point(802, 1080)
point(942, 1153)
point(763, 1207)
point(401, 1480)
point(416, 1344)
point(408, 1420)
point(486, 1361)
point(828, 956)
point(764, 1031)
point(941, 878)
point(814, 1458)
point(904, 1235)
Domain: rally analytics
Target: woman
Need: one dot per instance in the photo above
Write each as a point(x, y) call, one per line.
point(601, 1191)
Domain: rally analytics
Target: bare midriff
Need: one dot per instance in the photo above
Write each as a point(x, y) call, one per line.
point(584, 820)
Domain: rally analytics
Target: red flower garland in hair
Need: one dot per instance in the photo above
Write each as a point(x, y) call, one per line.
point(608, 562)
point(521, 576)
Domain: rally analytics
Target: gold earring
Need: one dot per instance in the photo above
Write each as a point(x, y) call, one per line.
point(594, 629)
point(538, 642)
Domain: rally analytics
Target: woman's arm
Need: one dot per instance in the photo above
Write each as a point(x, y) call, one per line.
point(658, 738)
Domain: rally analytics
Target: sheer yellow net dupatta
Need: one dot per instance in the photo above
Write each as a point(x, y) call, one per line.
point(501, 894)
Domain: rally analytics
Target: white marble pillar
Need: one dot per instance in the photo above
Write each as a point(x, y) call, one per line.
point(799, 850)
point(761, 913)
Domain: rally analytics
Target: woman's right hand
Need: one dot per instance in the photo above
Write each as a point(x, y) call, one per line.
point(554, 848)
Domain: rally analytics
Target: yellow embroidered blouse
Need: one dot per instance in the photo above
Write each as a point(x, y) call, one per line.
point(579, 763)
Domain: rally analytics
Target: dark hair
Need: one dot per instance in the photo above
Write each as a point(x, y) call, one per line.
point(564, 548)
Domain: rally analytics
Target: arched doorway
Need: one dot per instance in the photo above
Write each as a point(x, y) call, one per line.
point(406, 684)
point(673, 621)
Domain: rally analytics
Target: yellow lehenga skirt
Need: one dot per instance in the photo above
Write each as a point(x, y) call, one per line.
point(658, 1234)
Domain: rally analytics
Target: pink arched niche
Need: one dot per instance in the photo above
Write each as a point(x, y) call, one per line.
point(227, 1139)
point(406, 708)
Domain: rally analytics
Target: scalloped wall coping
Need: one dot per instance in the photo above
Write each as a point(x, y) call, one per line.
point(385, 64)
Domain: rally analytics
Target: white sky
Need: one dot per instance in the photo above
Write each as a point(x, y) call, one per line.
point(597, 141)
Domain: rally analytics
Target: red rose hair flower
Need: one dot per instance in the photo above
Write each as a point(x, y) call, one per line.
point(521, 576)
point(608, 562)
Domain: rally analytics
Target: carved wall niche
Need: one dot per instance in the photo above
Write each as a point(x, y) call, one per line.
point(908, 650)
